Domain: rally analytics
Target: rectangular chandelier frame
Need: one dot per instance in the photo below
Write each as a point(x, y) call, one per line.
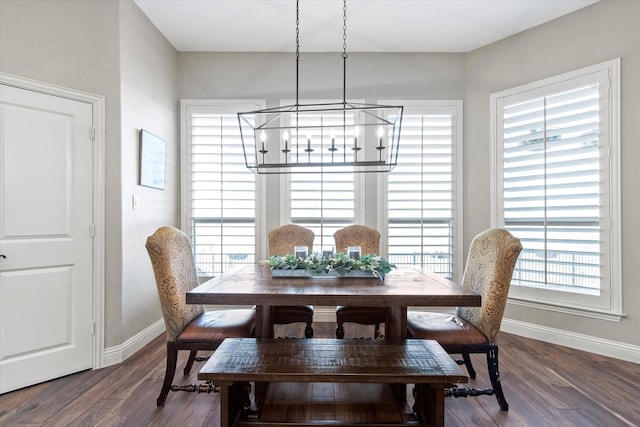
point(324, 137)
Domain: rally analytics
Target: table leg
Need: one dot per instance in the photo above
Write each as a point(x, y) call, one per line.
point(264, 321)
point(396, 324)
point(264, 329)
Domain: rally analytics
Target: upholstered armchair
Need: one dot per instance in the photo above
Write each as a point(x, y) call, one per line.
point(282, 241)
point(369, 241)
point(492, 258)
point(188, 326)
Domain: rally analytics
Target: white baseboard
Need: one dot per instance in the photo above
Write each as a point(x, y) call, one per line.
point(120, 353)
point(604, 347)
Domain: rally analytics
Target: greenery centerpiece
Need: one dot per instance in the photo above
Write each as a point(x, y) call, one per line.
point(338, 264)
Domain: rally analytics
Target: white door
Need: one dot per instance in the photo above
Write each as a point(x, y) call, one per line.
point(46, 228)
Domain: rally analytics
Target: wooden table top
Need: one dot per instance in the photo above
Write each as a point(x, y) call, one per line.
point(331, 360)
point(403, 287)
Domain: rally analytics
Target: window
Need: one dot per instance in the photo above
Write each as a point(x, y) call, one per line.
point(424, 189)
point(419, 197)
point(323, 202)
point(219, 192)
point(556, 172)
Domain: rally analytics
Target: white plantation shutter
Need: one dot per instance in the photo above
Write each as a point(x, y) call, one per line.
point(322, 202)
point(221, 191)
point(423, 189)
point(557, 187)
point(551, 187)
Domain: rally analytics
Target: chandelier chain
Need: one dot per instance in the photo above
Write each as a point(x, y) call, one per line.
point(344, 29)
point(297, 48)
point(344, 54)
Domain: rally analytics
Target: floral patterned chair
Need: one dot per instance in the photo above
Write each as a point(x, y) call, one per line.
point(282, 241)
point(492, 258)
point(189, 326)
point(369, 241)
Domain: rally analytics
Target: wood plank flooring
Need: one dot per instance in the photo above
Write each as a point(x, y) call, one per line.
point(545, 385)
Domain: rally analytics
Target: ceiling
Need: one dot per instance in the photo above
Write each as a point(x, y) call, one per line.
point(372, 25)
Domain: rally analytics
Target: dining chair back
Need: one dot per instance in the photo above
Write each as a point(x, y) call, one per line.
point(369, 241)
point(492, 258)
point(282, 241)
point(358, 235)
point(188, 326)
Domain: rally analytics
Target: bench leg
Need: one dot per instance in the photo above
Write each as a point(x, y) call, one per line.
point(225, 407)
point(429, 404)
point(234, 402)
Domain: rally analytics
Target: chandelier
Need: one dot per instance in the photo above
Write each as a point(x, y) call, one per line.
point(325, 137)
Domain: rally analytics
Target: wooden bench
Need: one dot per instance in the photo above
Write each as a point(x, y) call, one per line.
point(239, 361)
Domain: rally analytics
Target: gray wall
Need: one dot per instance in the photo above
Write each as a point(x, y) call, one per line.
point(150, 102)
point(109, 48)
point(603, 31)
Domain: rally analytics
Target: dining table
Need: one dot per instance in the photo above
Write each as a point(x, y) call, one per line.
point(403, 287)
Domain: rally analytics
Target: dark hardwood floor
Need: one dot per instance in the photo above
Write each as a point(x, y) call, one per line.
point(545, 385)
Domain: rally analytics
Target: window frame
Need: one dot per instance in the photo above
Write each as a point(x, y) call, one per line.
point(607, 305)
point(189, 106)
point(360, 179)
point(455, 107)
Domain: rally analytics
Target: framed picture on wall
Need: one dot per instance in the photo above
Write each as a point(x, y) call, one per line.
point(153, 152)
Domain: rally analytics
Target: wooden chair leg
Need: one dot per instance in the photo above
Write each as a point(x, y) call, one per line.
point(494, 375)
point(172, 358)
point(189, 364)
point(308, 331)
point(468, 365)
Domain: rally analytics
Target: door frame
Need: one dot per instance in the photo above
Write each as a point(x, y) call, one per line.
point(98, 202)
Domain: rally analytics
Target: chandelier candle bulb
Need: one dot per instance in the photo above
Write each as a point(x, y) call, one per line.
point(380, 147)
point(263, 138)
point(286, 142)
point(333, 144)
point(309, 149)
